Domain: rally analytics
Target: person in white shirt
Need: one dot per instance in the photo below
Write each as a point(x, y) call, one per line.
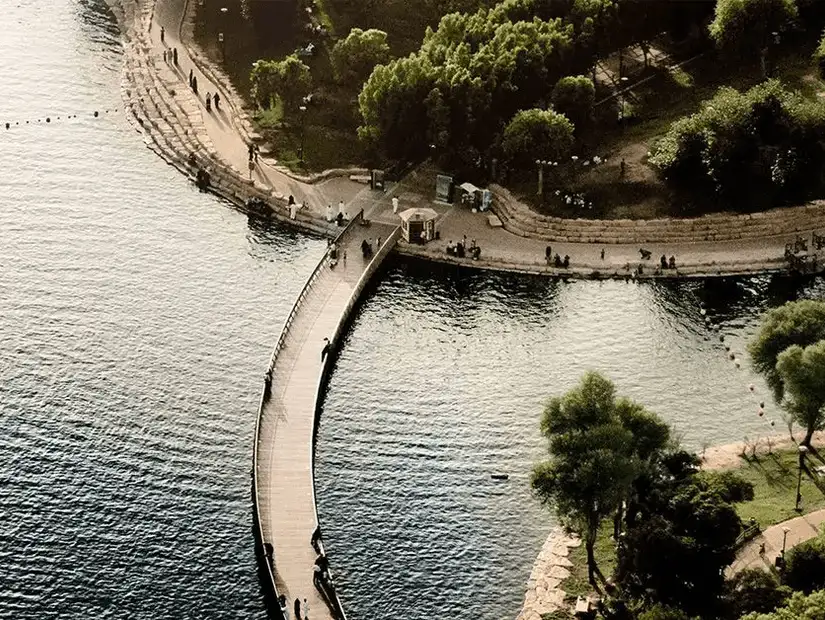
point(395, 204)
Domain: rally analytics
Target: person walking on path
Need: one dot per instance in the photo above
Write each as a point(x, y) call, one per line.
point(548, 254)
point(306, 610)
point(191, 75)
point(251, 150)
point(162, 34)
point(217, 100)
point(195, 83)
point(326, 348)
point(175, 55)
point(251, 168)
point(164, 55)
point(256, 150)
point(297, 608)
point(395, 204)
point(208, 102)
point(602, 253)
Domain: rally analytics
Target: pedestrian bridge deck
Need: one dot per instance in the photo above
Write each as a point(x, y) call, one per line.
point(283, 481)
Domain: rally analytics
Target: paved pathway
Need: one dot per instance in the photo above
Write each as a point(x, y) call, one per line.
point(284, 467)
point(800, 529)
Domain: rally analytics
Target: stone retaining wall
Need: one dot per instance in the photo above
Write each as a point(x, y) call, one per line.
point(519, 219)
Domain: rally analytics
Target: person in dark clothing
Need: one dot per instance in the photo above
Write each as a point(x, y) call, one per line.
point(548, 254)
point(557, 261)
point(339, 219)
point(208, 102)
point(297, 608)
point(191, 75)
point(195, 84)
point(217, 100)
point(162, 34)
point(672, 262)
point(251, 150)
point(325, 350)
point(663, 261)
point(175, 57)
point(566, 262)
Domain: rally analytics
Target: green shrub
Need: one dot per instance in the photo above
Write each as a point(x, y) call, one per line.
point(805, 566)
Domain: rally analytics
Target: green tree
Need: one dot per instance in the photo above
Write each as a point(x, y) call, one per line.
point(743, 26)
point(754, 590)
point(797, 322)
point(800, 607)
point(537, 134)
point(574, 96)
point(354, 57)
point(802, 371)
point(590, 469)
point(288, 79)
point(805, 566)
point(661, 612)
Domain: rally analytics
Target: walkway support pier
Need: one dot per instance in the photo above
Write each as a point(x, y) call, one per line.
point(283, 483)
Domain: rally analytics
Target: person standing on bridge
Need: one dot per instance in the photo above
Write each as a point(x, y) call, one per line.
point(326, 348)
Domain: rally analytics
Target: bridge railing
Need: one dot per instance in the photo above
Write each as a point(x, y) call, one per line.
point(269, 552)
point(326, 368)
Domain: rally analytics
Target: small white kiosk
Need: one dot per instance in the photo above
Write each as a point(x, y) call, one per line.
point(418, 224)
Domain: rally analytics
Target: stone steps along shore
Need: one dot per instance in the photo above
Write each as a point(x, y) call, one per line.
point(165, 111)
point(518, 219)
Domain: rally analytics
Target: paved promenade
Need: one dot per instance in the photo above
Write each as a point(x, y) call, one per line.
point(284, 451)
point(799, 529)
point(178, 126)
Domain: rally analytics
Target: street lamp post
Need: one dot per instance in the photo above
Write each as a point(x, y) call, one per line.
point(221, 38)
point(802, 451)
point(303, 110)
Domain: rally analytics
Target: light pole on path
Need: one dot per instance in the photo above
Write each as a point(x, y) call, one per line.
point(221, 38)
point(303, 110)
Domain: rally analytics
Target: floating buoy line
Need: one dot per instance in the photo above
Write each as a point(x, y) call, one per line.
point(50, 119)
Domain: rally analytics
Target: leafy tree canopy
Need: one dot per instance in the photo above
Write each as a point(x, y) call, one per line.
point(537, 134)
point(744, 25)
point(354, 57)
point(800, 607)
point(754, 590)
point(795, 323)
point(288, 79)
point(802, 372)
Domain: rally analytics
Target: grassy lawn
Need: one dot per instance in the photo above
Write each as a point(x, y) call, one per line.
point(576, 584)
point(774, 478)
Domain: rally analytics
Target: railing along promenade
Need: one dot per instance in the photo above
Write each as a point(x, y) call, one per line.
point(286, 517)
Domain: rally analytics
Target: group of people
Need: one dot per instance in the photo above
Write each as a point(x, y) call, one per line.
point(341, 217)
point(556, 260)
point(297, 608)
point(461, 249)
point(366, 247)
point(335, 253)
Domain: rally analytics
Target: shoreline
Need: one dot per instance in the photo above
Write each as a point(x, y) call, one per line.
point(171, 119)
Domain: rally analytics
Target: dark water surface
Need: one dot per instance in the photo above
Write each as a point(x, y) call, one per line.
point(136, 319)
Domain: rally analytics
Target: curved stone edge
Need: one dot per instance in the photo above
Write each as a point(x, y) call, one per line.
point(521, 220)
point(544, 593)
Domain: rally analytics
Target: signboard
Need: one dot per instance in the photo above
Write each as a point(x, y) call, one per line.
point(486, 199)
point(444, 188)
point(377, 179)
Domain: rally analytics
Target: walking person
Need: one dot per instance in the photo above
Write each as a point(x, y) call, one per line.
point(164, 55)
point(256, 151)
point(283, 606)
point(217, 100)
point(191, 75)
point(297, 608)
point(326, 348)
point(395, 204)
point(208, 102)
point(602, 253)
point(306, 610)
point(162, 34)
point(251, 168)
point(548, 254)
point(195, 83)
point(251, 150)
point(175, 55)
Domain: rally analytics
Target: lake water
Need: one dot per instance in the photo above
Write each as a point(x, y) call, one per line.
point(137, 317)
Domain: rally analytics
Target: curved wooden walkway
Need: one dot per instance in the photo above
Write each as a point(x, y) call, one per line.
point(283, 481)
